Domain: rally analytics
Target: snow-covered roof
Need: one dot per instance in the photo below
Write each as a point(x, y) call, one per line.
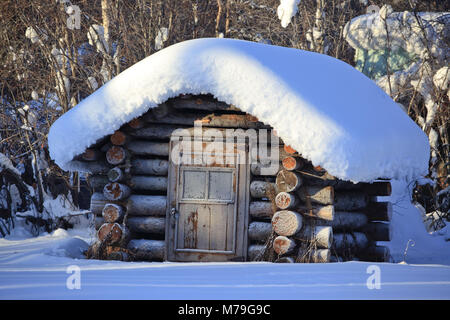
point(333, 114)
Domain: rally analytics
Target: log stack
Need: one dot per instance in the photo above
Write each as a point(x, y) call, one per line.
point(310, 216)
point(297, 213)
point(129, 196)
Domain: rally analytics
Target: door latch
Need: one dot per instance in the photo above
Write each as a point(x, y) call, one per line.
point(174, 213)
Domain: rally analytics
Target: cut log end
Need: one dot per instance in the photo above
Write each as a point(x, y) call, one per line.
point(116, 191)
point(288, 181)
point(115, 174)
point(319, 195)
point(283, 245)
point(116, 155)
point(112, 213)
point(289, 149)
point(292, 163)
point(118, 138)
point(320, 236)
point(320, 212)
point(110, 233)
point(286, 223)
point(284, 200)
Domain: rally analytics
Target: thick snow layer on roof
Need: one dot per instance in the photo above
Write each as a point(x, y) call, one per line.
point(324, 108)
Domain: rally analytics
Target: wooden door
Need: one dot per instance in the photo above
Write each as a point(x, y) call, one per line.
point(208, 213)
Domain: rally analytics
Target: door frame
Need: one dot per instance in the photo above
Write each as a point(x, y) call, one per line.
point(240, 237)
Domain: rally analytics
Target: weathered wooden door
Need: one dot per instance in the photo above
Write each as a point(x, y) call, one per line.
point(207, 208)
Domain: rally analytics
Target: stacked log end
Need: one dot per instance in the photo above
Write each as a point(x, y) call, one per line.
point(123, 215)
point(318, 218)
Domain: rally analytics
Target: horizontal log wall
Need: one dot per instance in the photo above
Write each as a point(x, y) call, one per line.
point(130, 167)
point(297, 212)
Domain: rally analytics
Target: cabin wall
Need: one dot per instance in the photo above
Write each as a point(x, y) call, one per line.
point(299, 214)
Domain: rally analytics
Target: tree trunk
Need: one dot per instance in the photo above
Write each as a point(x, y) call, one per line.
point(286, 223)
point(106, 6)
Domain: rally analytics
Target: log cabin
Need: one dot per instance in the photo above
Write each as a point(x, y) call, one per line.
point(201, 171)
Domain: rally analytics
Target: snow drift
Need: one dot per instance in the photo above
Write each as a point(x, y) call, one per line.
point(333, 114)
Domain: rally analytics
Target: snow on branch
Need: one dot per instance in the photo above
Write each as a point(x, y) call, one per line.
point(286, 10)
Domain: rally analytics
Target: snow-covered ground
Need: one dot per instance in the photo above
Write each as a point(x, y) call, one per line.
point(27, 273)
point(36, 268)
